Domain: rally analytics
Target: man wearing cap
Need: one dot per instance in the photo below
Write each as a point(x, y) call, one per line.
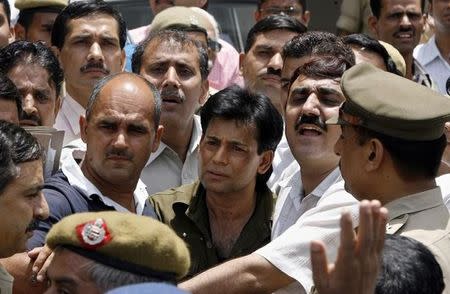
point(178, 67)
point(36, 18)
point(240, 133)
point(225, 70)
point(22, 203)
point(89, 37)
point(97, 252)
point(391, 146)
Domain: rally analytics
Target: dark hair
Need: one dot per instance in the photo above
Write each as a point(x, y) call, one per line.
point(271, 23)
point(301, 2)
point(241, 105)
point(7, 10)
point(102, 83)
point(9, 92)
point(363, 41)
point(409, 267)
point(326, 67)
point(24, 52)
point(16, 146)
point(375, 6)
point(411, 159)
point(318, 44)
point(81, 9)
point(175, 38)
point(26, 15)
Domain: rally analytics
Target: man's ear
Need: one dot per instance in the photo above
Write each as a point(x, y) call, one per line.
point(257, 15)
point(123, 59)
point(57, 53)
point(241, 63)
point(205, 92)
point(374, 155)
point(58, 103)
point(372, 23)
point(83, 128)
point(158, 135)
point(265, 161)
point(19, 31)
point(306, 17)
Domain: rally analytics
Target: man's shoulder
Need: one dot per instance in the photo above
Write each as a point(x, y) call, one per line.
point(163, 201)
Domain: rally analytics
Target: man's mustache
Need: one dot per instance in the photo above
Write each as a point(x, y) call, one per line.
point(172, 93)
point(276, 72)
point(31, 117)
point(311, 120)
point(95, 65)
point(33, 225)
point(124, 153)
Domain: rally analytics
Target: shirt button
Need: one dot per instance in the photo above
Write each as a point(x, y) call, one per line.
point(208, 245)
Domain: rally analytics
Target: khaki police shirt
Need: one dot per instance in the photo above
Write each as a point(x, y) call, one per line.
point(424, 217)
point(184, 210)
point(6, 281)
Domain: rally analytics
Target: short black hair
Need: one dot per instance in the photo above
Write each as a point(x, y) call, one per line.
point(248, 108)
point(86, 8)
point(25, 52)
point(318, 44)
point(301, 2)
point(409, 267)
point(271, 23)
point(412, 159)
point(9, 92)
point(324, 67)
point(174, 38)
point(375, 6)
point(102, 83)
point(363, 41)
point(26, 16)
point(7, 10)
point(16, 146)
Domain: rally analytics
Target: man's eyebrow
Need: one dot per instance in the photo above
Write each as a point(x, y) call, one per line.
point(301, 90)
point(263, 47)
point(327, 90)
point(35, 189)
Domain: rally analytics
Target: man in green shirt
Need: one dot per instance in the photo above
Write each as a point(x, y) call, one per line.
point(228, 212)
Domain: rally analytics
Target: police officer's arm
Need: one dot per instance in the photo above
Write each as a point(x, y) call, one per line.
point(248, 274)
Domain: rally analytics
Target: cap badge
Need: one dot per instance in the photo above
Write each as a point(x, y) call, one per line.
point(93, 234)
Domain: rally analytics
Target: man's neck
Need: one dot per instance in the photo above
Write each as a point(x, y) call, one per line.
point(398, 189)
point(178, 138)
point(409, 62)
point(313, 172)
point(122, 193)
point(81, 95)
point(443, 44)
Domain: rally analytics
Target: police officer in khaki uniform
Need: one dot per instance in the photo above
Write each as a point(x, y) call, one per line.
point(228, 213)
point(99, 251)
point(391, 146)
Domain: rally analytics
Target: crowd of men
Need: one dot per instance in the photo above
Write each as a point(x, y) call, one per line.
point(309, 163)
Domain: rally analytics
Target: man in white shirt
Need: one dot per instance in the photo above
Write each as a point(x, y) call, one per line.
point(434, 55)
point(89, 38)
point(314, 96)
point(121, 129)
point(179, 69)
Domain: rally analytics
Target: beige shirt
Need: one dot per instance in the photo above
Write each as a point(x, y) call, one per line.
point(354, 16)
point(6, 281)
point(424, 217)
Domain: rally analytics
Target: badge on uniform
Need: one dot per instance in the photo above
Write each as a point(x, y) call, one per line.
point(93, 234)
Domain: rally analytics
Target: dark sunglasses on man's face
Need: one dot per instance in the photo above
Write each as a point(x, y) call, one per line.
point(288, 10)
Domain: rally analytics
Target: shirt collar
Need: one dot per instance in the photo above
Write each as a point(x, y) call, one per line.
point(193, 144)
point(414, 203)
point(73, 111)
point(76, 178)
point(429, 51)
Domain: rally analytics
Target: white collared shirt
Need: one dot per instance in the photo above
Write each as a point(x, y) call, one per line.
point(292, 203)
point(77, 179)
point(290, 251)
point(282, 159)
point(444, 182)
point(68, 118)
point(165, 170)
point(436, 66)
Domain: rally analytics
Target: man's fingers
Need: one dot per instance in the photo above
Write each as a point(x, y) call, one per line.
point(319, 265)
point(38, 264)
point(381, 230)
point(365, 230)
point(347, 247)
point(33, 254)
point(43, 271)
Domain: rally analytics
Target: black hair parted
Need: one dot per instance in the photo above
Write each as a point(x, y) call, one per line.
point(86, 8)
point(271, 23)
